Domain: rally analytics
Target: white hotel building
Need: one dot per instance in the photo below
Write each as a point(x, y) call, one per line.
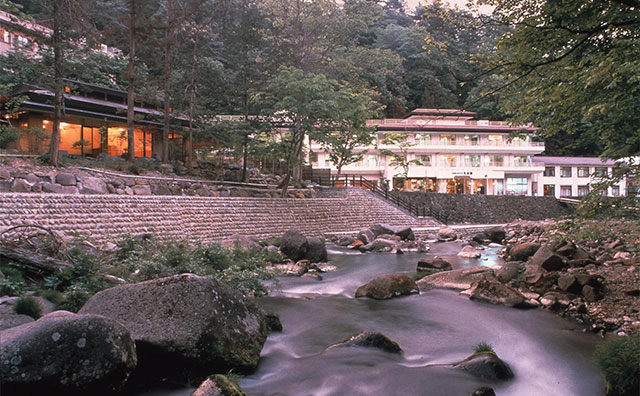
point(459, 155)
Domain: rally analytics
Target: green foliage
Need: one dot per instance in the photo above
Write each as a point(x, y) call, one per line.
point(13, 284)
point(399, 155)
point(572, 68)
point(599, 205)
point(52, 295)
point(28, 305)
point(483, 347)
point(619, 358)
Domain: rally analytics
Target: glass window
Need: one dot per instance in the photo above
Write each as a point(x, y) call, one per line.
point(472, 161)
point(448, 140)
point(498, 187)
point(583, 190)
point(423, 139)
point(142, 141)
point(601, 172)
point(565, 191)
point(448, 161)
point(71, 138)
point(565, 171)
point(550, 171)
point(471, 140)
point(521, 160)
point(615, 191)
point(372, 160)
point(425, 160)
point(117, 141)
point(495, 140)
point(517, 185)
point(583, 171)
point(549, 190)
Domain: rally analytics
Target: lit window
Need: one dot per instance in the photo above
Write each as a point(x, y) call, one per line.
point(495, 140)
point(565, 172)
point(517, 185)
point(550, 171)
point(583, 172)
point(549, 190)
point(448, 140)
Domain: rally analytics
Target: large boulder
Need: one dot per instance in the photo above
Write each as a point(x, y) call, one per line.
point(469, 252)
point(433, 265)
point(486, 365)
point(379, 245)
point(496, 234)
point(218, 385)
point(546, 259)
point(388, 286)
point(369, 339)
point(495, 292)
point(66, 353)
point(366, 236)
point(523, 251)
point(316, 250)
point(381, 229)
point(509, 271)
point(446, 234)
point(294, 245)
point(198, 323)
point(460, 279)
point(93, 185)
point(66, 179)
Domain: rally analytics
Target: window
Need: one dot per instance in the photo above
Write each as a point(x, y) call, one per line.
point(472, 161)
point(565, 172)
point(498, 187)
point(550, 171)
point(495, 140)
point(521, 160)
point(448, 161)
point(583, 171)
point(615, 191)
point(493, 160)
point(517, 185)
point(423, 139)
point(549, 190)
point(425, 160)
point(583, 190)
point(448, 140)
point(565, 191)
point(372, 160)
point(601, 172)
point(471, 140)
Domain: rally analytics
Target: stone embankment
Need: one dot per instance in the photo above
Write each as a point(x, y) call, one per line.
point(105, 217)
point(487, 209)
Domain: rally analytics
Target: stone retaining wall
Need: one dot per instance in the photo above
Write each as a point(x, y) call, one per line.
point(487, 209)
point(105, 217)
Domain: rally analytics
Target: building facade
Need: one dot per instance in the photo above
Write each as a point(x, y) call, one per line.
point(449, 152)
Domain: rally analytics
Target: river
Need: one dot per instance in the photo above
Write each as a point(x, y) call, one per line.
point(549, 355)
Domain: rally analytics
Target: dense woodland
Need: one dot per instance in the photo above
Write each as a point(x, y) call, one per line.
point(570, 68)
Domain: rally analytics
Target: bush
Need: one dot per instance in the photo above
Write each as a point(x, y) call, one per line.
point(28, 305)
point(619, 359)
point(53, 296)
point(483, 347)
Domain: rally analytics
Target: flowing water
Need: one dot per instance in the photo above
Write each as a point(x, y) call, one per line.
point(549, 355)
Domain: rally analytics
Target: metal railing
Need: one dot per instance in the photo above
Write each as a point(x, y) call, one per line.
point(390, 196)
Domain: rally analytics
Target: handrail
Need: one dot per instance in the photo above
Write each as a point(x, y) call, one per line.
point(392, 197)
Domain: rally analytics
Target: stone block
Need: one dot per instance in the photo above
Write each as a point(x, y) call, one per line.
point(66, 179)
point(51, 188)
point(141, 189)
point(20, 186)
point(93, 185)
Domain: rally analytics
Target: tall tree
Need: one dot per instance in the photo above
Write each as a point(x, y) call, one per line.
point(572, 67)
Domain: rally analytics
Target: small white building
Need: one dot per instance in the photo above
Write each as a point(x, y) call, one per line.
point(573, 176)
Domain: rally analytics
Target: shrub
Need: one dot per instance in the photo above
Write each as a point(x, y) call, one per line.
point(10, 287)
point(483, 347)
point(54, 296)
point(74, 299)
point(28, 305)
point(619, 358)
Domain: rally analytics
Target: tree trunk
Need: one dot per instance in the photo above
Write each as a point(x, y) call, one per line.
point(166, 74)
point(39, 262)
point(58, 83)
point(131, 144)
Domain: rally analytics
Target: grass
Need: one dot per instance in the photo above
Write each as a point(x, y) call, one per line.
point(28, 305)
point(619, 359)
point(483, 347)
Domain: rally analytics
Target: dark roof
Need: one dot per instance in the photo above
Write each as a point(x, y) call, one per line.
point(441, 113)
point(572, 160)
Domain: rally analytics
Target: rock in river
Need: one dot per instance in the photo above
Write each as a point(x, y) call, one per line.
point(218, 385)
point(65, 353)
point(433, 265)
point(371, 340)
point(495, 292)
point(196, 322)
point(294, 245)
point(388, 286)
point(461, 279)
point(485, 365)
point(523, 251)
point(469, 252)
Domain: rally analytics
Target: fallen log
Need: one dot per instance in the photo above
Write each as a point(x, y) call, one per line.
point(39, 262)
